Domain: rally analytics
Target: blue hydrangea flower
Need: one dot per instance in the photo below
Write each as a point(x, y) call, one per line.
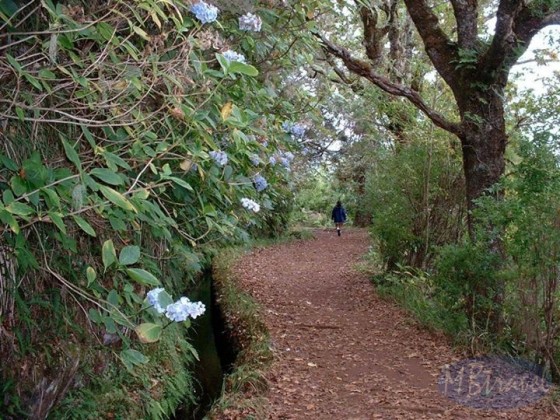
point(177, 311)
point(153, 299)
point(272, 160)
point(287, 126)
point(221, 158)
point(250, 204)
point(230, 56)
point(298, 130)
point(183, 309)
point(260, 182)
point(255, 159)
point(195, 309)
point(204, 12)
point(250, 22)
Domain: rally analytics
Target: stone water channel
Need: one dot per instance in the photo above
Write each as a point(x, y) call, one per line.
point(214, 350)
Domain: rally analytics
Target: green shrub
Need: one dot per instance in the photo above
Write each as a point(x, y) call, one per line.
point(417, 201)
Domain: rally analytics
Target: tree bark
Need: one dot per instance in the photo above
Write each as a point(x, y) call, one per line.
point(483, 141)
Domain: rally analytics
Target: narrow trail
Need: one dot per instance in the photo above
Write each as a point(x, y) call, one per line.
point(341, 352)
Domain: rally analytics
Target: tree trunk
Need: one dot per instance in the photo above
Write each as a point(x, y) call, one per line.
point(484, 143)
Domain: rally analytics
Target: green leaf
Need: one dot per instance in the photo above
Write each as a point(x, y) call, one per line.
point(224, 63)
point(148, 332)
point(20, 113)
point(113, 297)
point(8, 197)
point(129, 255)
point(9, 220)
point(34, 81)
point(57, 220)
point(110, 325)
point(193, 351)
point(84, 225)
point(108, 253)
point(133, 357)
point(91, 275)
point(121, 319)
point(71, 154)
point(116, 198)
point(19, 186)
point(20, 209)
point(8, 7)
point(166, 170)
point(88, 135)
point(8, 163)
point(141, 32)
point(47, 74)
point(52, 199)
point(95, 316)
point(13, 62)
point(180, 182)
point(228, 172)
point(65, 42)
point(242, 68)
point(107, 176)
point(35, 172)
point(142, 276)
point(105, 30)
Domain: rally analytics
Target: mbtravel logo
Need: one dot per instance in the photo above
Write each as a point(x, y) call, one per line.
point(493, 383)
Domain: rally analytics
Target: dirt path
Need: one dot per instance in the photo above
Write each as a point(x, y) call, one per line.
point(340, 351)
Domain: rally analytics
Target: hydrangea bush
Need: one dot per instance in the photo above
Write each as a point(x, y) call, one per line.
point(260, 182)
point(250, 204)
point(158, 153)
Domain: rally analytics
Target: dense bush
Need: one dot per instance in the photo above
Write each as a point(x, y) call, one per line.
point(416, 200)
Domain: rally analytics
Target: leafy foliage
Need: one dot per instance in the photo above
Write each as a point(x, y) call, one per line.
point(417, 204)
point(110, 114)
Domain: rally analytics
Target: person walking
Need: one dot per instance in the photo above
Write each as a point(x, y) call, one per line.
point(339, 216)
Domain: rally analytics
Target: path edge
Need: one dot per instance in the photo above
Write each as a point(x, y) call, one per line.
point(245, 387)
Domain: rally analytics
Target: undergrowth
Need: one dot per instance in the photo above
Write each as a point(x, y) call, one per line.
point(415, 291)
point(152, 390)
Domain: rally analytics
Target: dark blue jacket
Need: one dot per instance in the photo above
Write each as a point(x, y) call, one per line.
point(338, 214)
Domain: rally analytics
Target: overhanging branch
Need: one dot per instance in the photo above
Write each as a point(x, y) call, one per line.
point(365, 70)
